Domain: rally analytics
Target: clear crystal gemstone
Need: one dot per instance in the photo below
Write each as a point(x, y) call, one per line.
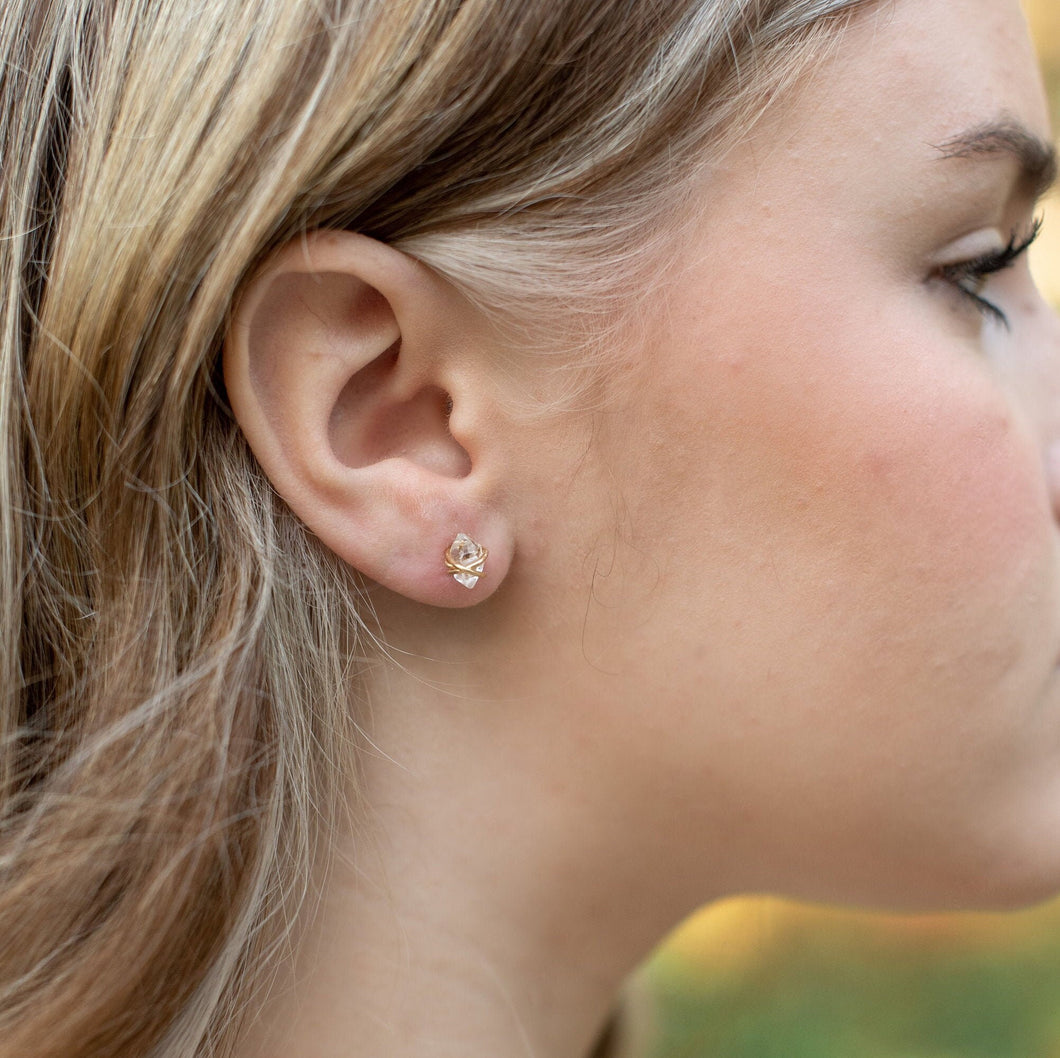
point(464, 549)
point(465, 552)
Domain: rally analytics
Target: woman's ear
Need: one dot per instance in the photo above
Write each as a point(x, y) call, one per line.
point(353, 371)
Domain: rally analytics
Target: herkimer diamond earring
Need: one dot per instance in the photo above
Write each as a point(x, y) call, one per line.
point(465, 560)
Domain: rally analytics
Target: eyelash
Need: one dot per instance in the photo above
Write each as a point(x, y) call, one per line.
point(968, 276)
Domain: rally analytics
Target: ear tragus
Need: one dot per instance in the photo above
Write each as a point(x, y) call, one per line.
point(370, 422)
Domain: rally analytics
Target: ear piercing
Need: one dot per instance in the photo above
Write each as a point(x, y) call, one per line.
point(465, 559)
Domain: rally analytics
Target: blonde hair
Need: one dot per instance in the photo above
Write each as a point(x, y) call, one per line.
point(176, 653)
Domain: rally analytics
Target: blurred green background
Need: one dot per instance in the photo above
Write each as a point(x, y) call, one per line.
point(760, 978)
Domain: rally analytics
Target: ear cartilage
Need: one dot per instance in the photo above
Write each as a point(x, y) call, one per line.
point(465, 560)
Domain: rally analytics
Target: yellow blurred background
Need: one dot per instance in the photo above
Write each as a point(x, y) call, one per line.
point(1044, 17)
point(765, 978)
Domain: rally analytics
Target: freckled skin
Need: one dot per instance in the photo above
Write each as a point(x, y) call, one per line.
point(837, 616)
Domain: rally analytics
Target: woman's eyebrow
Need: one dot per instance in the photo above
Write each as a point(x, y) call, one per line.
point(1036, 157)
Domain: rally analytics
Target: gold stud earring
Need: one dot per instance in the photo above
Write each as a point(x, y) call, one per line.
point(465, 560)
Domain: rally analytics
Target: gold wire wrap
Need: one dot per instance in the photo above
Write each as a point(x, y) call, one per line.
point(473, 568)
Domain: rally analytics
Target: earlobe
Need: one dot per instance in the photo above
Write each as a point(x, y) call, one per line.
point(342, 363)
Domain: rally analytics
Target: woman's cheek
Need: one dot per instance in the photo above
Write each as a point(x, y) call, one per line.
point(949, 516)
point(961, 485)
point(919, 494)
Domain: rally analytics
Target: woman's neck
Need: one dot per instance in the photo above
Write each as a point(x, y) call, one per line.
point(477, 912)
point(510, 873)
